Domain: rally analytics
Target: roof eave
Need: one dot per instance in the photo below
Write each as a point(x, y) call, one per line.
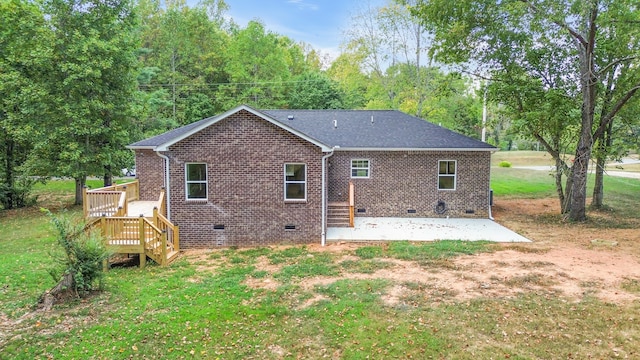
point(412, 149)
point(143, 147)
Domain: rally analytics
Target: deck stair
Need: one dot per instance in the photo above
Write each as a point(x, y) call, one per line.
point(150, 234)
point(338, 214)
point(341, 214)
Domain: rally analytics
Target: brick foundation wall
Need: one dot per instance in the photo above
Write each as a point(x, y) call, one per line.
point(150, 174)
point(401, 181)
point(245, 158)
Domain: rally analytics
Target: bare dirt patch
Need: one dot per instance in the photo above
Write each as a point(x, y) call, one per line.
point(567, 260)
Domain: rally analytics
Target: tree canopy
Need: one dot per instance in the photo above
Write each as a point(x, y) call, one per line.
point(561, 54)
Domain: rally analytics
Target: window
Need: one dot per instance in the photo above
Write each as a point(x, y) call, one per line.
point(295, 182)
point(447, 175)
point(359, 168)
point(196, 181)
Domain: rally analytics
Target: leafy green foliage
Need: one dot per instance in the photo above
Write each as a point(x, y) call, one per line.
point(314, 90)
point(82, 254)
point(24, 61)
point(504, 164)
point(563, 70)
point(86, 123)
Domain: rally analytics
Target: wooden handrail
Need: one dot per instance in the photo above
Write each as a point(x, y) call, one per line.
point(122, 205)
point(98, 203)
point(109, 200)
point(173, 236)
point(352, 204)
point(161, 202)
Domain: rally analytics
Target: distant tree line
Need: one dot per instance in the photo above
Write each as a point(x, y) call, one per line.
point(80, 79)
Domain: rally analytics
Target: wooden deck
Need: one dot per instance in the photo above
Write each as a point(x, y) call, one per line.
point(138, 208)
point(131, 226)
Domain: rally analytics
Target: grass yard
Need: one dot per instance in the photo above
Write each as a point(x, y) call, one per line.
point(450, 299)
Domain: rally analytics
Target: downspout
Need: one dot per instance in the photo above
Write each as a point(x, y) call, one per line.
point(324, 196)
point(490, 216)
point(167, 184)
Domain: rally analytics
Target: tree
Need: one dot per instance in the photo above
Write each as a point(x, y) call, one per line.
point(345, 70)
point(257, 68)
point(186, 47)
point(490, 33)
point(622, 43)
point(314, 90)
point(391, 43)
point(78, 260)
point(90, 89)
point(24, 59)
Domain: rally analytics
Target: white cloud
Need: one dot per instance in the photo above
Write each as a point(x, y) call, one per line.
point(303, 5)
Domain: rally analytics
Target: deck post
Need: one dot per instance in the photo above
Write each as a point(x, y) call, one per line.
point(142, 238)
point(103, 226)
point(176, 238)
point(155, 215)
point(164, 247)
point(351, 204)
point(85, 206)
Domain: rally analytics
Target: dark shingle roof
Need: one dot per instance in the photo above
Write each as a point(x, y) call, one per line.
point(389, 129)
point(169, 135)
point(348, 129)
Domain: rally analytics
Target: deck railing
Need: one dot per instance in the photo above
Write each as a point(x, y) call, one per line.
point(133, 235)
point(107, 208)
point(109, 200)
point(172, 231)
point(352, 204)
point(162, 209)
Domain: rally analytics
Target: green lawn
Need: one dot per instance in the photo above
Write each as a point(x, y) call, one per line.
point(204, 308)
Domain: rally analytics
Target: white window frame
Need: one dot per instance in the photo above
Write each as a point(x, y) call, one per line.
point(286, 182)
point(187, 181)
point(368, 168)
point(454, 175)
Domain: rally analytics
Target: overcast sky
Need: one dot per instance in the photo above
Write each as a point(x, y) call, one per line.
point(320, 23)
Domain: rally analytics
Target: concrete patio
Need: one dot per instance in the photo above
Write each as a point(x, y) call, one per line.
point(424, 229)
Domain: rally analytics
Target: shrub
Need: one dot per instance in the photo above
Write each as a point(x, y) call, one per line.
point(79, 263)
point(505, 164)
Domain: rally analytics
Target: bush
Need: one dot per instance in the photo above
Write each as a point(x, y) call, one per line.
point(18, 195)
point(505, 164)
point(81, 256)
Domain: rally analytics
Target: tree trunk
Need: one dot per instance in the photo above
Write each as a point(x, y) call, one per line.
point(588, 83)
point(107, 179)
point(578, 203)
point(598, 187)
point(80, 182)
point(63, 289)
point(9, 201)
point(559, 188)
point(605, 142)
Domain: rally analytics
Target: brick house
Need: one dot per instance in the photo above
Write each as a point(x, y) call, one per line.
point(257, 177)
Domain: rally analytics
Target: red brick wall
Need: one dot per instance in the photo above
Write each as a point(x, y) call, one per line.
point(403, 180)
point(245, 159)
point(150, 174)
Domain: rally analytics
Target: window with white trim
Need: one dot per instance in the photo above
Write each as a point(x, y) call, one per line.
point(359, 168)
point(295, 182)
point(196, 181)
point(446, 175)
